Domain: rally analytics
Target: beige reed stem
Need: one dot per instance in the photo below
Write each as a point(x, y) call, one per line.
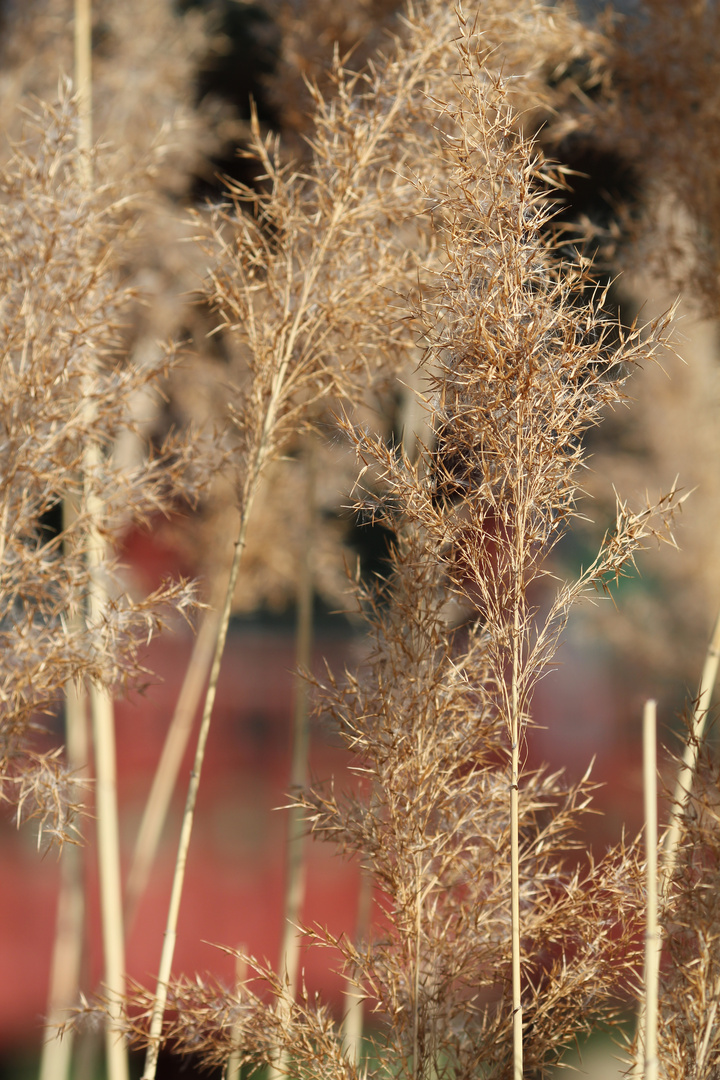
point(168, 949)
point(515, 905)
point(101, 706)
point(83, 82)
point(295, 850)
point(68, 946)
point(262, 451)
point(166, 774)
point(683, 788)
point(233, 1069)
point(683, 784)
point(66, 961)
point(515, 734)
point(352, 1026)
point(653, 943)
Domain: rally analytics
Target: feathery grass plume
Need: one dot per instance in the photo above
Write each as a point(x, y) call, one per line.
point(485, 919)
point(63, 306)
point(302, 283)
point(537, 42)
point(434, 831)
point(145, 64)
point(369, 129)
point(522, 365)
point(434, 828)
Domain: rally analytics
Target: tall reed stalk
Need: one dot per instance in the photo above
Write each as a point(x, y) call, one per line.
point(168, 949)
point(495, 949)
point(101, 704)
point(56, 1055)
point(653, 941)
point(661, 907)
point(352, 1024)
point(168, 768)
point(298, 351)
point(422, 214)
point(295, 870)
point(66, 390)
point(688, 764)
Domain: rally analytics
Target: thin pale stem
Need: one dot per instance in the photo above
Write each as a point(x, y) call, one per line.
point(69, 931)
point(295, 852)
point(168, 949)
point(108, 830)
point(653, 942)
point(233, 1069)
point(166, 774)
point(83, 83)
point(352, 1026)
point(101, 709)
point(101, 705)
point(686, 772)
point(515, 909)
point(515, 733)
point(708, 1031)
point(416, 979)
point(683, 789)
point(68, 947)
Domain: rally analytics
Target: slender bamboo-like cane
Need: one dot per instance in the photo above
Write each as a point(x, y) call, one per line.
point(653, 943)
point(101, 706)
point(68, 947)
point(67, 951)
point(515, 905)
point(168, 949)
point(515, 733)
point(168, 769)
point(262, 451)
point(683, 784)
point(352, 1026)
point(683, 788)
point(295, 851)
point(233, 1068)
point(103, 728)
point(83, 82)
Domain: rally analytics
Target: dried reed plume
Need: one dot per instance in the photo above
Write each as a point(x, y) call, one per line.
point(494, 946)
point(62, 312)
